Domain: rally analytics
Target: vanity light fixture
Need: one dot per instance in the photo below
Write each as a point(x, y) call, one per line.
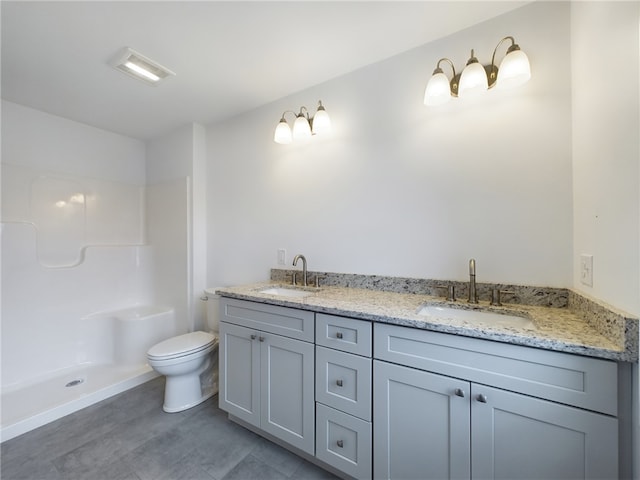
point(476, 78)
point(138, 66)
point(303, 126)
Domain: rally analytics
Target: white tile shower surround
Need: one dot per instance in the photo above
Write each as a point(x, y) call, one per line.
point(129, 437)
point(30, 405)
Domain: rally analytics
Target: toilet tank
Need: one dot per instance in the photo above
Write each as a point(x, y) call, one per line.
point(213, 309)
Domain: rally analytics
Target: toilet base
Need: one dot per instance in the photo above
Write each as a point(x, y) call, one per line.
point(186, 391)
point(170, 408)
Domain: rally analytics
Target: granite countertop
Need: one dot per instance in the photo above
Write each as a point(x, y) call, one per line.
point(560, 329)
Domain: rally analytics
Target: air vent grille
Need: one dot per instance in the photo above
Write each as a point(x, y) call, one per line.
point(138, 66)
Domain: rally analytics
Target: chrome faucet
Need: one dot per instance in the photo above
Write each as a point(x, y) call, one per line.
point(473, 294)
point(304, 267)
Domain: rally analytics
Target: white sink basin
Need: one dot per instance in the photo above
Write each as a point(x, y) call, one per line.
point(287, 292)
point(494, 318)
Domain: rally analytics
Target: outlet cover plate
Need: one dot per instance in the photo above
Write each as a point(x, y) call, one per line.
point(282, 256)
point(586, 270)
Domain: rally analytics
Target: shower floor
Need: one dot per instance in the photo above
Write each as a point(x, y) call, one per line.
point(31, 405)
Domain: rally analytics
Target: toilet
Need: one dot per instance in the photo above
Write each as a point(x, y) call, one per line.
point(189, 362)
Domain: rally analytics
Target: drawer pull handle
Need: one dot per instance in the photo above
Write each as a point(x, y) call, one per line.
point(253, 336)
point(459, 392)
point(340, 443)
point(339, 335)
point(339, 383)
point(482, 398)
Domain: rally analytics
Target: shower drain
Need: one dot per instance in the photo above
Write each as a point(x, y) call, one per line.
point(73, 383)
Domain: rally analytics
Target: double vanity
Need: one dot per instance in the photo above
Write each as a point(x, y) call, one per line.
point(369, 381)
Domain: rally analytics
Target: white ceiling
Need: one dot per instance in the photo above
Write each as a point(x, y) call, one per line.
point(229, 57)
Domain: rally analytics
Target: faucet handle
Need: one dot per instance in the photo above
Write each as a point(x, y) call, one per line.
point(293, 279)
point(495, 296)
point(451, 292)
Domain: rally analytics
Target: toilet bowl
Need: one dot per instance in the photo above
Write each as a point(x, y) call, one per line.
point(183, 360)
point(190, 363)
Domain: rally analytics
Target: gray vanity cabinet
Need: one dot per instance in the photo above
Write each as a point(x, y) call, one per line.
point(421, 428)
point(423, 404)
point(343, 394)
point(431, 426)
point(464, 408)
point(267, 379)
point(516, 436)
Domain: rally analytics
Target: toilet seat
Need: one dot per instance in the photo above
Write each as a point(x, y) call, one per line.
point(181, 346)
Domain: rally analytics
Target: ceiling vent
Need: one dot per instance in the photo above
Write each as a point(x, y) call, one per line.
point(138, 66)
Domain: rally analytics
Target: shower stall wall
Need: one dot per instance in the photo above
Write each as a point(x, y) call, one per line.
point(85, 290)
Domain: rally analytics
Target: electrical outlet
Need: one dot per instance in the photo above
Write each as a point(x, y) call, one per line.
point(586, 270)
point(282, 256)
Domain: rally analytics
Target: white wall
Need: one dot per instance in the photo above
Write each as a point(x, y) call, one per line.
point(32, 138)
point(524, 181)
point(606, 161)
point(606, 158)
point(606, 145)
point(199, 226)
point(401, 189)
point(176, 206)
point(89, 259)
point(167, 227)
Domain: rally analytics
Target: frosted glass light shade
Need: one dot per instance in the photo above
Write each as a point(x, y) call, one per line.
point(438, 91)
point(473, 81)
point(283, 133)
point(514, 70)
point(321, 122)
point(301, 128)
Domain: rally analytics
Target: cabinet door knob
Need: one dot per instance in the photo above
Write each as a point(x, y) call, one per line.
point(339, 383)
point(340, 443)
point(253, 336)
point(338, 334)
point(261, 339)
point(459, 392)
point(482, 398)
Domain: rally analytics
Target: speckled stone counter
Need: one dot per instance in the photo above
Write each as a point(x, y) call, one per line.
point(580, 325)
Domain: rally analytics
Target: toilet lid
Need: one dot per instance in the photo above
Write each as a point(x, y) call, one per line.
point(181, 345)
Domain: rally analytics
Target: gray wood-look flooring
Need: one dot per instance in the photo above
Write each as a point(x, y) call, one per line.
point(129, 437)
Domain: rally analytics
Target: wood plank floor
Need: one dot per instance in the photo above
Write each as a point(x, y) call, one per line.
point(129, 437)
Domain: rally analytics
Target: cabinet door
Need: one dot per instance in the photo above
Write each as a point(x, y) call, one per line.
point(287, 371)
point(519, 437)
point(239, 364)
point(421, 424)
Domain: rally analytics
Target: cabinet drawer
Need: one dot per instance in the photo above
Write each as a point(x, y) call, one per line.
point(343, 441)
point(343, 381)
point(346, 334)
point(584, 382)
point(289, 322)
